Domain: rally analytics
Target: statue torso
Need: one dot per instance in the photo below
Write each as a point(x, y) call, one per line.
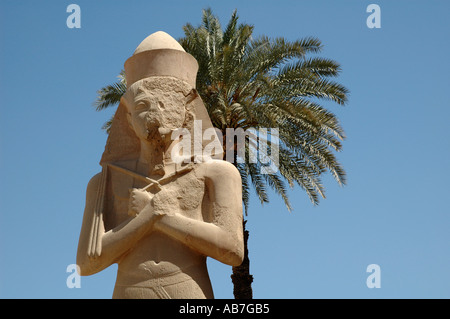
point(157, 255)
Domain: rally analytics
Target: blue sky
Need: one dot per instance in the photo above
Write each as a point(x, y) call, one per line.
point(394, 212)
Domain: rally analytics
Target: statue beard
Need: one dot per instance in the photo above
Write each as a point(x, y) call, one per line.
point(153, 133)
point(157, 134)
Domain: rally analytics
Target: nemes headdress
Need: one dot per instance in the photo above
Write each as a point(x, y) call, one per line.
point(159, 55)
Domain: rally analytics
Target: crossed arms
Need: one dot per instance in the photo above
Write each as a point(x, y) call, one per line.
point(221, 238)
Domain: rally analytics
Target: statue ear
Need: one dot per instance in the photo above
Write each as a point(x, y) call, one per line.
point(192, 95)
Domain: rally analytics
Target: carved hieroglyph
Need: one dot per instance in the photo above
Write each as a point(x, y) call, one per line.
point(157, 218)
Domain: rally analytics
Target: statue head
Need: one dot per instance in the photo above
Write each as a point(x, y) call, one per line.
point(160, 97)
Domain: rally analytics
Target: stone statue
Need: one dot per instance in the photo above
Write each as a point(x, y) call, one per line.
point(157, 218)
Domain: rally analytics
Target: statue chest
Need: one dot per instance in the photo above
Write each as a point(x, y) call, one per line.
point(183, 194)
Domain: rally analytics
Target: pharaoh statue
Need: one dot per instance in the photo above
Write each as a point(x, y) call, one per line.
point(156, 217)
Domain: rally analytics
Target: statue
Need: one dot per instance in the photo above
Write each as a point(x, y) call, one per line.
point(157, 218)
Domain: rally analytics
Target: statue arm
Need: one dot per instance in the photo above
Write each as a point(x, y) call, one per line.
point(115, 242)
point(222, 238)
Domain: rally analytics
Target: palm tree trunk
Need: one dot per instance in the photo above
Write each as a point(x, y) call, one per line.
point(242, 280)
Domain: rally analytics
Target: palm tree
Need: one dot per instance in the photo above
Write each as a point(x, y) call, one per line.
point(260, 82)
point(109, 96)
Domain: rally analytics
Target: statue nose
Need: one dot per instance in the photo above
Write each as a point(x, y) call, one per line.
point(156, 106)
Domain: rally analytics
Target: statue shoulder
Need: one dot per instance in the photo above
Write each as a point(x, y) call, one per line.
point(220, 169)
point(94, 183)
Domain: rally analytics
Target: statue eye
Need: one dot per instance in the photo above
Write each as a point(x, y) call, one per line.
point(140, 106)
point(161, 105)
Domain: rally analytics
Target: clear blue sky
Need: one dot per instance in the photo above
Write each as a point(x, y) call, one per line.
point(394, 212)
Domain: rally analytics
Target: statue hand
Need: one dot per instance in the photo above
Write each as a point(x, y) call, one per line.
point(138, 200)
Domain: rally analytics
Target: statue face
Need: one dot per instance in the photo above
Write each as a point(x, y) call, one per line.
point(155, 103)
point(149, 113)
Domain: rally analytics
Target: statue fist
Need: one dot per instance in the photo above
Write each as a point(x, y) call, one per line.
point(138, 200)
